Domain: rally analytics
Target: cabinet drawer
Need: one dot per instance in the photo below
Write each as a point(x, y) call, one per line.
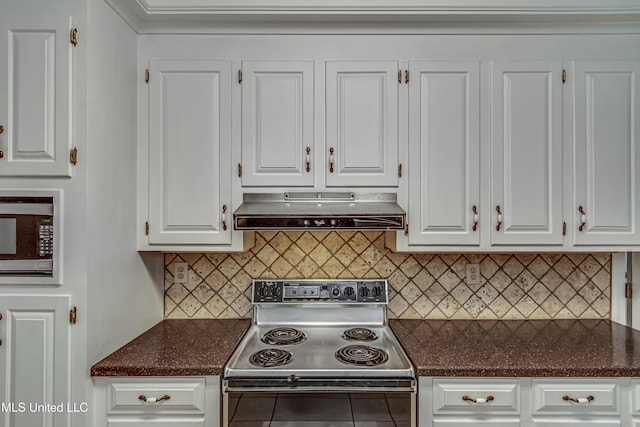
point(582, 423)
point(475, 423)
point(559, 397)
point(184, 396)
point(487, 396)
point(156, 423)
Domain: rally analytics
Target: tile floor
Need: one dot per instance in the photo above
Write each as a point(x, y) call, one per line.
point(320, 410)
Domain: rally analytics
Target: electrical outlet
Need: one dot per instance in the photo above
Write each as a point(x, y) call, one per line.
point(180, 272)
point(473, 274)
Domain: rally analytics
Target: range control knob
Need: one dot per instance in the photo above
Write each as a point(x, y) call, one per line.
point(377, 291)
point(348, 291)
point(333, 222)
point(306, 222)
point(335, 292)
point(364, 291)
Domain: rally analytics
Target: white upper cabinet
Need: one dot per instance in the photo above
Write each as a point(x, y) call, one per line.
point(35, 95)
point(190, 152)
point(444, 158)
point(362, 124)
point(526, 153)
point(606, 150)
point(277, 123)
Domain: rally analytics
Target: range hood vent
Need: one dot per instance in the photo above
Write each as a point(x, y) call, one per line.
point(319, 211)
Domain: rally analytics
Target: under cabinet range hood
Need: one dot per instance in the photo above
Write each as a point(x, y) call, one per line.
point(322, 211)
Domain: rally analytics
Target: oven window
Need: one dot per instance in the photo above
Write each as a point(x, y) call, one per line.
point(320, 409)
point(7, 236)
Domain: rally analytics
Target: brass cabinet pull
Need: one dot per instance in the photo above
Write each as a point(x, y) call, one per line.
point(499, 218)
point(331, 160)
point(578, 400)
point(1, 152)
point(153, 399)
point(308, 158)
point(0, 342)
point(1, 129)
point(474, 209)
point(0, 316)
point(478, 399)
point(583, 218)
point(224, 217)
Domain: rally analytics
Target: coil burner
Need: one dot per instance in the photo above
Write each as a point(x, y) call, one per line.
point(270, 357)
point(361, 355)
point(359, 334)
point(283, 336)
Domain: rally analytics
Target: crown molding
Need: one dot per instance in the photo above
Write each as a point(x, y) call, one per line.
point(225, 16)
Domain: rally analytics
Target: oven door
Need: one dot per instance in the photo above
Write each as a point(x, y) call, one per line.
point(297, 401)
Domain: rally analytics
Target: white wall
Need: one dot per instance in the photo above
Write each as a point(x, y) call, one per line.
point(125, 289)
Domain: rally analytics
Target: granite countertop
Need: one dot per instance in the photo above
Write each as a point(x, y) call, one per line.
point(176, 348)
point(470, 348)
point(520, 348)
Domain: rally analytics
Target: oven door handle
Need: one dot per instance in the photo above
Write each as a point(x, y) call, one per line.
point(318, 385)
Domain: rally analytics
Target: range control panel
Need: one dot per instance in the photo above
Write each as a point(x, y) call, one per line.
point(374, 291)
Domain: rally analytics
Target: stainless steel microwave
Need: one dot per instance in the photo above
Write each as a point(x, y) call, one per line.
point(26, 235)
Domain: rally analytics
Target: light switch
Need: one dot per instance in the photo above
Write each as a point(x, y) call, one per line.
point(180, 272)
point(473, 274)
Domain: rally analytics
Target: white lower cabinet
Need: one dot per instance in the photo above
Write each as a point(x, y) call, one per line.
point(157, 401)
point(528, 402)
point(35, 343)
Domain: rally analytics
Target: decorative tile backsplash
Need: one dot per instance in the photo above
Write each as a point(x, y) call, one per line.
point(428, 286)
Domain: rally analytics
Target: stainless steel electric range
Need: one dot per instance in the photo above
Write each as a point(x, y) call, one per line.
point(327, 336)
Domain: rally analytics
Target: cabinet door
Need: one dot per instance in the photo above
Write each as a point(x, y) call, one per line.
point(362, 124)
point(606, 153)
point(444, 158)
point(35, 95)
point(34, 358)
point(157, 422)
point(190, 152)
point(277, 123)
point(526, 152)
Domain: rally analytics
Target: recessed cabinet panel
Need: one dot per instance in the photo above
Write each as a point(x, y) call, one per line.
point(34, 358)
point(606, 153)
point(527, 153)
point(444, 153)
point(495, 396)
point(277, 123)
point(583, 397)
point(189, 152)
point(362, 123)
point(184, 396)
point(36, 97)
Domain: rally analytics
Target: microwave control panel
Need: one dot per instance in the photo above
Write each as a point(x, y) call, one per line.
point(45, 237)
